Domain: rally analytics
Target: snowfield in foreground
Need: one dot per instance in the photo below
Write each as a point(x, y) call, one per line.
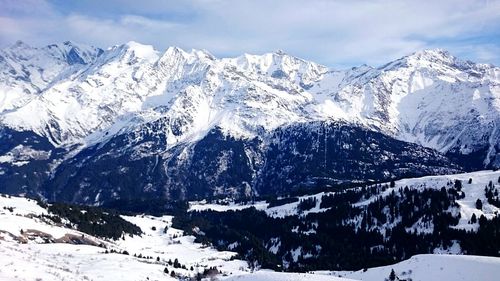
point(26, 255)
point(433, 268)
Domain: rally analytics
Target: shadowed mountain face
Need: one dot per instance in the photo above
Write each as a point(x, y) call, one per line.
point(81, 124)
point(308, 155)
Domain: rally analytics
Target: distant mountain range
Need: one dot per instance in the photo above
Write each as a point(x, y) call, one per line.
point(87, 125)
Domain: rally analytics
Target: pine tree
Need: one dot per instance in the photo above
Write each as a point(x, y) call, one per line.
point(165, 270)
point(479, 204)
point(392, 276)
point(473, 219)
point(470, 180)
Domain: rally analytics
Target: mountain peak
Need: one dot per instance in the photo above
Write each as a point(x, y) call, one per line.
point(267, 89)
point(172, 52)
point(280, 52)
point(433, 55)
point(69, 43)
point(423, 58)
point(134, 45)
point(132, 51)
point(19, 44)
point(203, 53)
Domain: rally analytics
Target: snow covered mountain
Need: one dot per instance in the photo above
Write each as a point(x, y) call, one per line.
point(26, 72)
point(70, 100)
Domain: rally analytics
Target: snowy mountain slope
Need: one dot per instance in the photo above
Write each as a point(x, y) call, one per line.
point(379, 224)
point(27, 71)
point(432, 267)
point(88, 99)
point(27, 253)
point(35, 259)
point(433, 99)
point(415, 98)
point(467, 205)
point(72, 262)
point(288, 209)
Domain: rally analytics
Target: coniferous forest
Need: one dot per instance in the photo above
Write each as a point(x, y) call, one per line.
point(349, 236)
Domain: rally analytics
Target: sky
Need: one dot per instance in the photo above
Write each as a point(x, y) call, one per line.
point(335, 33)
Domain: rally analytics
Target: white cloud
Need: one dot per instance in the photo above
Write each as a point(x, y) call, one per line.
point(330, 32)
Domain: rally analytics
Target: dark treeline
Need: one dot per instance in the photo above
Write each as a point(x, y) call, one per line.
point(93, 221)
point(346, 236)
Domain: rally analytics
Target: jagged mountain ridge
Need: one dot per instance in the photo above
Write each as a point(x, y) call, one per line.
point(26, 72)
point(429, 98)
point(411, 98)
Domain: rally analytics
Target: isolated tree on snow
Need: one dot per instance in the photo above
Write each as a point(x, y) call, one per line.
point(393, 184)
point(470, 180)
point(392, 275)
point(479, 204)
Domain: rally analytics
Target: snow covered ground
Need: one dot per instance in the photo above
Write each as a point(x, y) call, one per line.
point(72, 262)
point(473, 191)
point(289, 209)
point(432, 268)
point(267, 275)
point(25, 255)
point(23, 258)
point(203, 206)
